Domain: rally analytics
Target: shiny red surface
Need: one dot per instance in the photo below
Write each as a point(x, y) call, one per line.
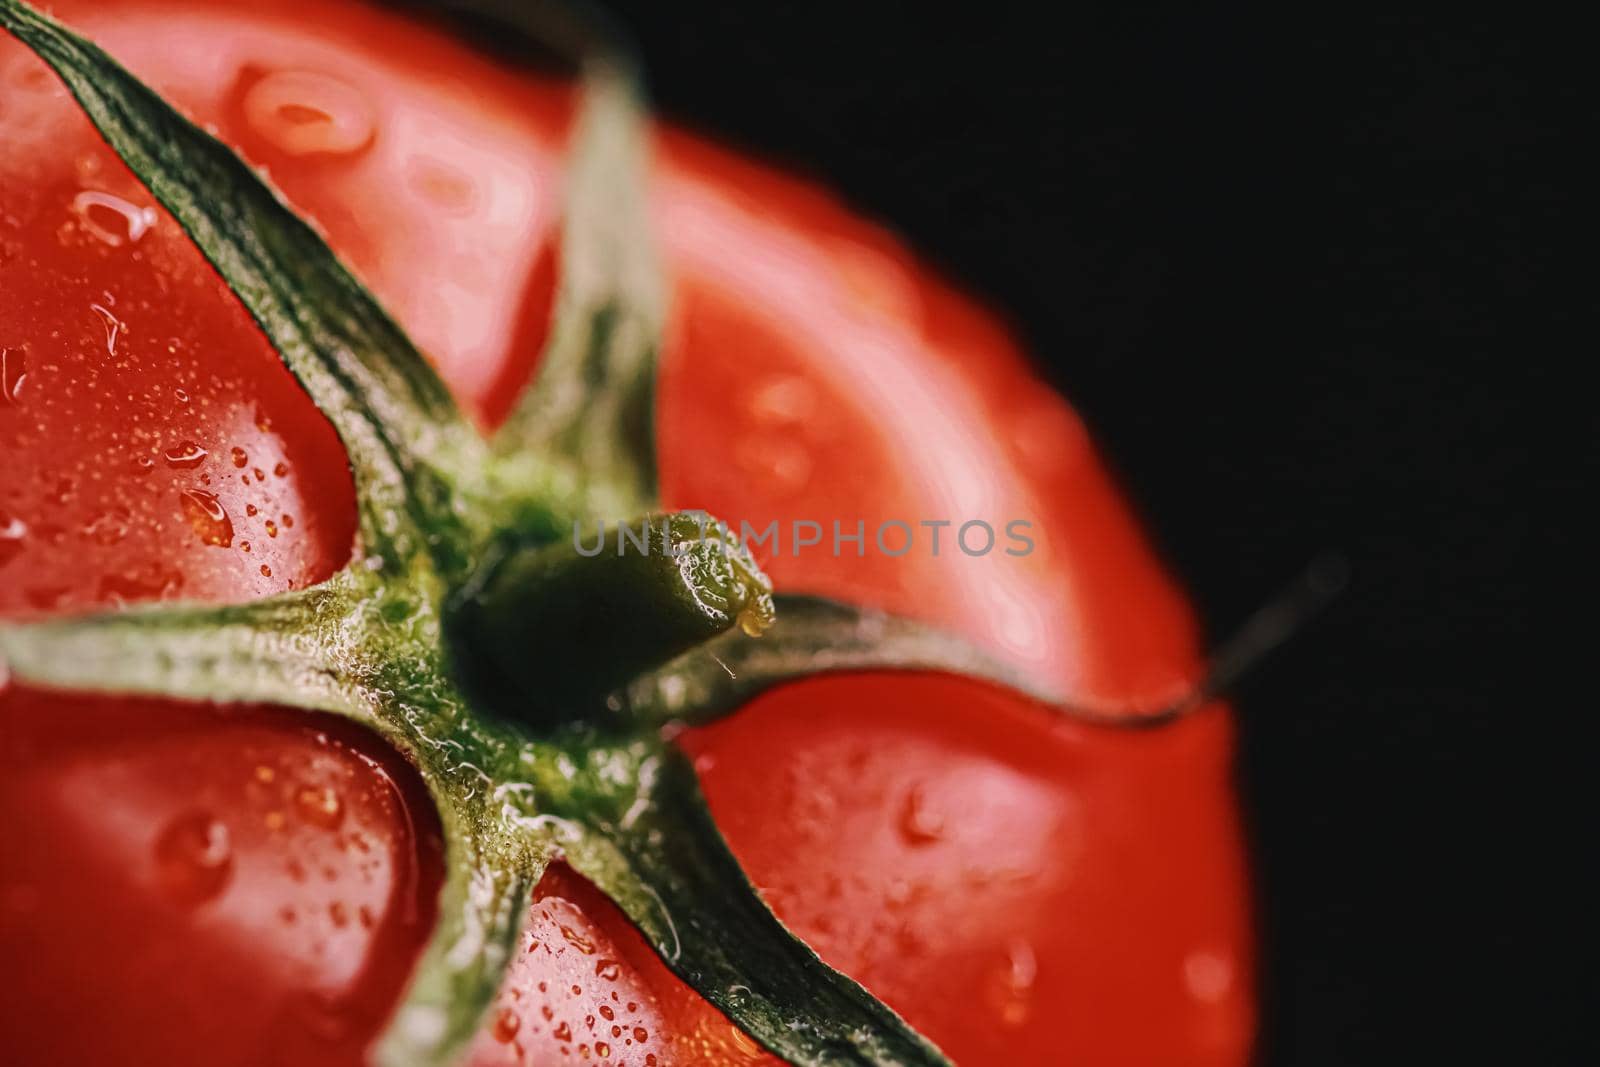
point(1014, 885)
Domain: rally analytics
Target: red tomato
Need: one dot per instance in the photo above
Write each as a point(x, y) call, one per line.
point(201, 885)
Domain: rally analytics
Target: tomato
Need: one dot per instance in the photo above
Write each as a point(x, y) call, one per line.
point(190, 884)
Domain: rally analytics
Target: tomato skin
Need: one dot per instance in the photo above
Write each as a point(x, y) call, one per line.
point(1013, 885)
point(186, 885)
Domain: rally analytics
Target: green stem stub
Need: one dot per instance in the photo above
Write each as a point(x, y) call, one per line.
point(559, 627)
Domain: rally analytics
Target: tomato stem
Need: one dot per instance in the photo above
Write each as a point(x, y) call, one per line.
point(565, 625)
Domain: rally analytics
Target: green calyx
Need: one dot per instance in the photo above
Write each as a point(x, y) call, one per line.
point(527, 677)
point(561, 627)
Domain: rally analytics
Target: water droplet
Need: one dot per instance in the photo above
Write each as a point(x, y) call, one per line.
point(143, 464)
point(194, 858)
point(287, 520)
point(577, 940)
point(640, 1034)
point(562, 1032)
point(1208, 976)
point(239, 457)
point(112, 324)
point(272, 528)
point(781, 460)
point(112, 219)
point(606, 1013)
point(259, 473)
point(185, 455)
point(506, 1025)
point(741, 1040)
point(783, 401)
point(207, 517)
point(266, 571)
point(319, 806)
point(181, 395)
point(602, 1049)
point(13, 531)
point(108, 528)
point(339, 914)
point(250, 509)
point(13, 373)
point(305, 113)
point(281, 469)
point(452, 191)
point(1009, 988)
point(608, 969)
point(920, 822)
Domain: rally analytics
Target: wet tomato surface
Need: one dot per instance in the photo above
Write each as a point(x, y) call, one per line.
point(187, 884)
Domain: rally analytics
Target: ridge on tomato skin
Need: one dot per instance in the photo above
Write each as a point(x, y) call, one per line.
point(795, 247)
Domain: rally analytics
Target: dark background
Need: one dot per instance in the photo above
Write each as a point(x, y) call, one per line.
point(1287, 272)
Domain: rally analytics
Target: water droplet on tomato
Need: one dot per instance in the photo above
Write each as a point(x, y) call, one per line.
point(272, 528)
point(602, 1049)
point(13, 374)
point(1208, 976)
point(194, 858)
point(240, 458)
point(562, 1032)
point(1009, 987)
point(577, 940)
point(207, 517)
point(608, 970)
point(142, 464)
point(185, 455)
point(921, 823)
point(506, 1025)
point(785, 400)
point(319, 806)
point(779, 460)
point(108, 528)
point(111, 219)
point(112, 324)
point(742, 1041)
point(306, 113)
point(13, 531)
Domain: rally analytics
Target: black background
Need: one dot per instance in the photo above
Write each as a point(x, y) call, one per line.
point(1287, 274)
